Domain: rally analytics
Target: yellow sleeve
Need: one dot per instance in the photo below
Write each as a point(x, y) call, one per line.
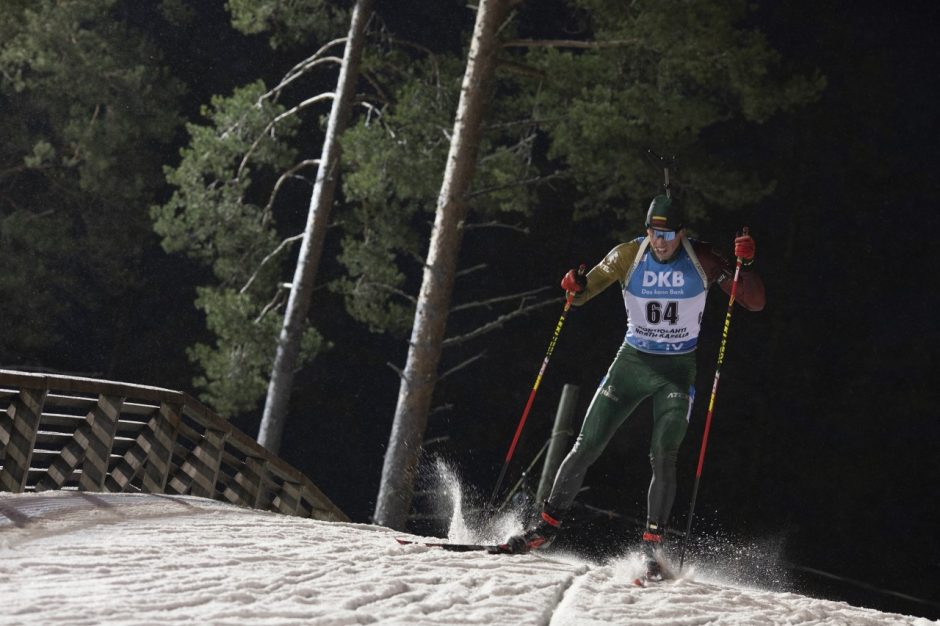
point(612, 268)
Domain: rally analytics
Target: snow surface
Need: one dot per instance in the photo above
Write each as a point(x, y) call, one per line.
point(78, 558)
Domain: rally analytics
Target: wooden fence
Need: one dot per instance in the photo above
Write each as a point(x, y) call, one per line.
point(62, 432)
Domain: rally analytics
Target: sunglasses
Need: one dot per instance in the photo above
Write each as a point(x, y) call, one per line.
point(667, 235)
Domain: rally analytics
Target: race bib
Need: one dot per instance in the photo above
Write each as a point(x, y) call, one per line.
point(665, 302)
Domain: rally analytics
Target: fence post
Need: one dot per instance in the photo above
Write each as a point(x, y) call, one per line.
point(160, 455)
point(102, 424)
point(288, 498)
point(247, 487)
point(26, 411)
point(207, 459)
point(560, 440)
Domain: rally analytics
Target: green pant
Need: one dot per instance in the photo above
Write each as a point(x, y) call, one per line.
point(633, 377)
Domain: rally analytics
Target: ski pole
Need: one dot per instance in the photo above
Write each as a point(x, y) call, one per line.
point(711, 406)
point(525, 413)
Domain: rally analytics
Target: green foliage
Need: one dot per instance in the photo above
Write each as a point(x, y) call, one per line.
point(291, 23)
point(394, 166)
point(679, 70)
point(238, 366)
point(177, 12)
point(211, 218)
point(212, 181)
point(87, 108)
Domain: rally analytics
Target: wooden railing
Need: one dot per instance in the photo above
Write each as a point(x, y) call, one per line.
point(62, 432)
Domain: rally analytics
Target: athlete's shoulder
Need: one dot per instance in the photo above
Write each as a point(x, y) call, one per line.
point(623, 253)
point(712, 261)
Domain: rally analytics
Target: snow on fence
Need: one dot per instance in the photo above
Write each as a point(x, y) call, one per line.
point(64, 432)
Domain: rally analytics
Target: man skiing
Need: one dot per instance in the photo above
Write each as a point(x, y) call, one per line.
point(665, 278)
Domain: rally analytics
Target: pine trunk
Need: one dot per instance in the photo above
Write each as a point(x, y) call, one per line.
point(318, 216)
point(420, 374)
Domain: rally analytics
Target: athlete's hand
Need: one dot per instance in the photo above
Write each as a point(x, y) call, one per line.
point(744, 247)
point(574, 280)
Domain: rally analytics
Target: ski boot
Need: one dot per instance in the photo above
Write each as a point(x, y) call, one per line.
point(538, 536)
point(652, 547)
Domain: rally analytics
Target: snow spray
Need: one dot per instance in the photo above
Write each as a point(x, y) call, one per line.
point(460, 509)
point(755, 562)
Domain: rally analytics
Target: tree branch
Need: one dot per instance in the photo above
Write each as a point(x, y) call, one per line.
point(520, 69)
point(278, 299)
point(470, 270)
point(497, 323)
point(569, 43)
point(264, 261)
point(398, 370)
point(494, 224)
point(486, 303)
point(288, 174)
point(388, 288)
point(303, 67)
point(460, 366)
point(518, 183)
point(272, 123)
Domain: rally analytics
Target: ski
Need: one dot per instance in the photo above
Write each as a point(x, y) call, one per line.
point(457, 547)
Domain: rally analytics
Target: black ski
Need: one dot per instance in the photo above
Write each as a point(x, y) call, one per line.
point(458, 547)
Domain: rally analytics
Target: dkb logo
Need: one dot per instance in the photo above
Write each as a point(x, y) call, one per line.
point(663, 279)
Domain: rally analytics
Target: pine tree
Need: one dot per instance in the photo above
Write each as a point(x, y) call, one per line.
point(88, 108)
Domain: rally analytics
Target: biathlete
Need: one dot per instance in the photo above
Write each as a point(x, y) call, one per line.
point(664, 277)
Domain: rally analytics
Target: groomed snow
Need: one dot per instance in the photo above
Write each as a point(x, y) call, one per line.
point(72, 558)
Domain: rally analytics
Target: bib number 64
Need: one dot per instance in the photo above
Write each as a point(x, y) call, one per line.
point(657, 312)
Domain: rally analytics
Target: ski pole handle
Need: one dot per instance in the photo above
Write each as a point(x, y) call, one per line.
point(569, 295)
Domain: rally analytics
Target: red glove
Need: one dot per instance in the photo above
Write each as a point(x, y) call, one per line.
point(574, 281)
point(745, 248)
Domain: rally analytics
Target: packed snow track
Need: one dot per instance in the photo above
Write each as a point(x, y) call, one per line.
point(78, 558)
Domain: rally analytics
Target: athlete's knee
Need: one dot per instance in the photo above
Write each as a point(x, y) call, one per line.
point(668, 433)
point(583, 453)
point(663, 460)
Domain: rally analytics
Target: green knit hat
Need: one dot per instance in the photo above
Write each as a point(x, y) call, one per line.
point(664, 214)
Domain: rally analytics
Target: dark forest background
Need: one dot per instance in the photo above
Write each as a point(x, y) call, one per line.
point(824, 444)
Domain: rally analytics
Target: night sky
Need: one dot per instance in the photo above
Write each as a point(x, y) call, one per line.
point(824, 441)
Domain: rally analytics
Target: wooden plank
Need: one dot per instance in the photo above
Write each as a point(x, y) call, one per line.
point(25, 411)
point(247, 488)
point(124, 472)
point(121, 445)
point(209, 453)
point(288, 498)
point(61, 401)
point(130, 428)
point(198, 473)
point(6, 429)
point(157, 467)
point(85, 403)
point(139, 409)
point(102, 424)
point(89, 446)
point(53, 438)
point(77, 384)
point(320, 506)
point(62, 466)
point(62, 422)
